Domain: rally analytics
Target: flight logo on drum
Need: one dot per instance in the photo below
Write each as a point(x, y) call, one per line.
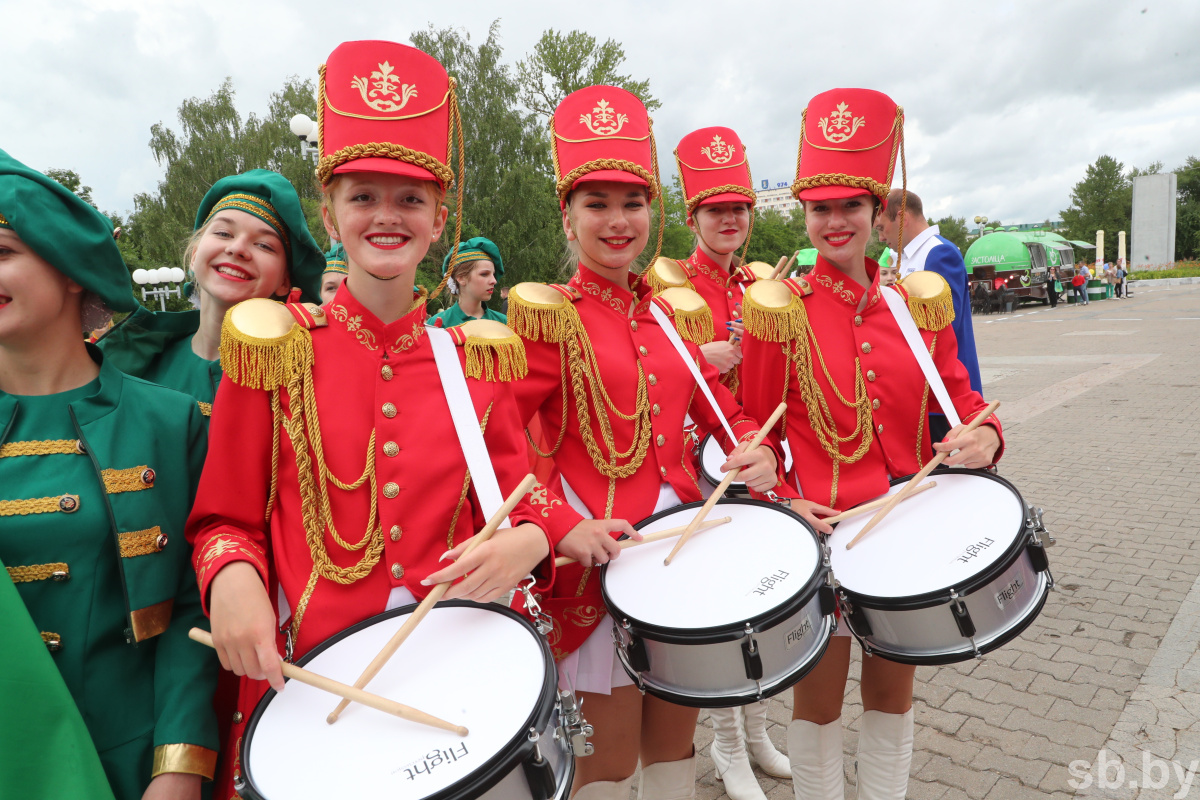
point(1009, 593)
point(973, 550)
point(433, 759)
point(768, 583)
point(799, 634)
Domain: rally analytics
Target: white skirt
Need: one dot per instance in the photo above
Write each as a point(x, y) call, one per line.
point(594, 667)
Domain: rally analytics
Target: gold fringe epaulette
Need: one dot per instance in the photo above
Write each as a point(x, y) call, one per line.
point(929, 300)
point(666, 273)
point(539, 311)
point(689, 312)
point(758, 270)
point(263, 345)
point(494, 352)
point(773, 312)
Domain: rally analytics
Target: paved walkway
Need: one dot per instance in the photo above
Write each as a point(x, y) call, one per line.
point(1102, 416)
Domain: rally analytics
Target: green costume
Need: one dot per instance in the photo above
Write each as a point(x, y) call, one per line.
point(477, 249)
point(95, 487)
point(157, 346)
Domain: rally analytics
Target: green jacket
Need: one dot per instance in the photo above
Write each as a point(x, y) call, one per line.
point(157, 346)
point(144, 689)
point(453, 316)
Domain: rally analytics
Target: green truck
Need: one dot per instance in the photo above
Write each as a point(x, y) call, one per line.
point(1017, 264)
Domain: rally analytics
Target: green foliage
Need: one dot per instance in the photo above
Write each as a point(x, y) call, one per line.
point(678, 239)
point(71, 180)
point(776, 235)
point(1188, 269)
point(1103, 200)
point(954, 229)
point(1187, 214)
point(561, 64)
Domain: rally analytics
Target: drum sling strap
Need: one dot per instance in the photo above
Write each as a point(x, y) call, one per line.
point(466, 424)
point(904, 319)
point(668, 328)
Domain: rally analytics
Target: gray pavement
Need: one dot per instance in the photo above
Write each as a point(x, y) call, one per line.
point(1102, 420)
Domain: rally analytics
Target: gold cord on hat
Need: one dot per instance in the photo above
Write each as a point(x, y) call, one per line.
point(456, 125)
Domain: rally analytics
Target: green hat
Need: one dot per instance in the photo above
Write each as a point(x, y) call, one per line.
point(270, 197)
point(807, 257)
point(475, 249)
point(66, 232)
point(335, 259)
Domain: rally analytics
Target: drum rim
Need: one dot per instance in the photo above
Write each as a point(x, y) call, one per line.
point(734, 630)
point(943, 659)
point(492, 771)
point(716, 481)
point(942, 596)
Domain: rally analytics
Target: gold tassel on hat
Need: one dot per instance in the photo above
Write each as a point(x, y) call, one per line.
point(540, 312)
point(772, 313)
point(929, 300)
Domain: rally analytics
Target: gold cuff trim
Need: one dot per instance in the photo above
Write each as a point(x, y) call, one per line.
point(191, 759)
point(152, 620)
point(205, 408)
point(47, 447)
point(142, 543)
point(59, 571)
point(134, 479)
point(66, 503)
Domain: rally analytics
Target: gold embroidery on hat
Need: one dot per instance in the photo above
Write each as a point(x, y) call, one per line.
point(607, 120)
point(719, 151)
point(841, 124)
point(384, 97)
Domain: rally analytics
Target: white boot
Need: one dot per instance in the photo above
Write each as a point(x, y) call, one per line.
point(605, 790)
point(815, 753)
point(728, 753)
point(762, 750)
point(669, 780)
point(885, 746)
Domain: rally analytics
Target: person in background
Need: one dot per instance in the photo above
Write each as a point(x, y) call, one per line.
point(335, 272)
point(473, 269)
point(889, 273)
point(1053, 287)
point(1079, 283)
point(1121, 276)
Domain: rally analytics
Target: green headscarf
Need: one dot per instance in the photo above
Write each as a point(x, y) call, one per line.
point(66, 232)
point(270, 197)
point(335, 259)
point(476, 249)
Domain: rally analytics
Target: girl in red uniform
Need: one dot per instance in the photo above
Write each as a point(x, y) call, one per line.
point(612, 394)
point(830, 347)
point(335, 482)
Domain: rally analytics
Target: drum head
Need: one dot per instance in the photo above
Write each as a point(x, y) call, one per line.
point(745, 570)
point(475, 665)
point(940, 539)
point(712, 457)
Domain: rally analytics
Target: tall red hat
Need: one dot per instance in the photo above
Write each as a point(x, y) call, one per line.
point(848, 145)
point(602, 133)
point(712, 163)
point(385, 107)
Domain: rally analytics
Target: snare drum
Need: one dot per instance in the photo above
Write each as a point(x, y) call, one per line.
point(711, 459)
point(482, 666)
point(742, 613)
point(950, 574)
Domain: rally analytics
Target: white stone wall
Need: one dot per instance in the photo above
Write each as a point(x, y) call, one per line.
point(1154, 201)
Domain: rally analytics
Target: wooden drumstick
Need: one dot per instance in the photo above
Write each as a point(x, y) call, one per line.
point(349, 692)
point(784, 265)
point(657, 536)
point(435, 594)
point(903, 494)
point(729, 478)
point(874, 504)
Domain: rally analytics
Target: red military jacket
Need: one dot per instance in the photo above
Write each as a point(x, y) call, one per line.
point(851, 331)
point(633, 356)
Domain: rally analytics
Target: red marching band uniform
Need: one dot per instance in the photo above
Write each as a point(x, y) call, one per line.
point(611, 390)
point(328, 467)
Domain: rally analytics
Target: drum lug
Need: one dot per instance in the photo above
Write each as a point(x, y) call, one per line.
point(541, 620)
point(826, 600)
point(962, 617)
point(633, 647)
point(539, 773)
point(860, 626)
point(574, 730)
point(1037, 524)
point(752, 657)
point(776, 499)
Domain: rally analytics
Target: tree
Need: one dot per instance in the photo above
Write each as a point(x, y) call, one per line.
point(70, 179)
point(954, 229)
point(1187, 214)
point(1103, 200)
point(561, 64)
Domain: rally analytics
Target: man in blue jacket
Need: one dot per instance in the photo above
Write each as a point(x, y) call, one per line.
point(924, 248)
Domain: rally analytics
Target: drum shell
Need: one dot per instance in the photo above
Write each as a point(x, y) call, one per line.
point(706, 668)
point(922, 629)
point(503, 776)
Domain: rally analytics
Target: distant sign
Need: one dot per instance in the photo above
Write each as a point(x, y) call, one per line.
point(766, 184)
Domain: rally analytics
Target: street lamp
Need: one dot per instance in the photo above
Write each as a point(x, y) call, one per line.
point(154, 277)
point(981, 221)
point(305, 130)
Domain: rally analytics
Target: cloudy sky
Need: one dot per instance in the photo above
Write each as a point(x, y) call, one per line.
point(1006, 102)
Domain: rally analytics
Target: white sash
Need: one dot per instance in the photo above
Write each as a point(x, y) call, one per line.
point(669, 329)
point(915, 343)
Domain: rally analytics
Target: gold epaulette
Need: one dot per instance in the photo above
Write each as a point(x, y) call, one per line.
point(543, 311)
point(758, 270)
point(494, 352)
point(773, 310)
point(689, 312)
point(929, 300)
point(666, 273)
point(265, 343)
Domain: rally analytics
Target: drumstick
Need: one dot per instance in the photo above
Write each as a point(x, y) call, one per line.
point(657, 536)
point(435, 594)
point(901, 495)
point(342, 690)
point(784, 265)
point(779, 266)
point(729, 478)
point(874, 504)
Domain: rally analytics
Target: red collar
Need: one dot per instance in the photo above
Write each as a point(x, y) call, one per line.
point(351, 316)
point(596, 286)
point(825, 276)
point(699, 263)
